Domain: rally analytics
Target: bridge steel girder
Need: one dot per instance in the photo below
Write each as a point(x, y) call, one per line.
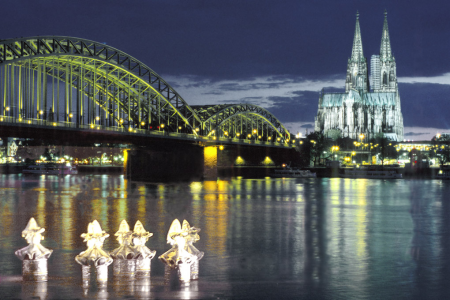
point(216, 117)
point(102, 86)
point(106, 60)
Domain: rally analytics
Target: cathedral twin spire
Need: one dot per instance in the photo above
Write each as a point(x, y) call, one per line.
point(357, 50)
point(385, 48)
point(357, 69)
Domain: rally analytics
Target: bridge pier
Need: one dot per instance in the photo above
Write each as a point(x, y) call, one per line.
point(175, 162)
point(164, 162)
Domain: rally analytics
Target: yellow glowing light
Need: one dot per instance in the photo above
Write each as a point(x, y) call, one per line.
point(179, 127)
point(162, 125)
point(29, 122)
point(225, 133)
point(130, 129)
point(254, 131)
point(210, 157)
point(267, 161)
point(270, 138)
point(20, 119)
point(278, 139)
point(249, 135)
point(54, 124)
point(1, 119)
point(214, 137)
point(92, 126)
point(121, 121)
point(301, 142)
point(142, 123)
point(97, 118)
point(41, 112)
point(238, 134)
point(220, 147)
point(70, 115)
point(239, 161)
point(196, 129)
point(259, 137)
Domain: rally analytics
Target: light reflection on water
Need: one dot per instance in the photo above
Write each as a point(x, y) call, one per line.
point(262, 238)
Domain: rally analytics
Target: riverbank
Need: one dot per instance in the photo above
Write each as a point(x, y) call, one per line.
point(245, 172)
point(82, 169)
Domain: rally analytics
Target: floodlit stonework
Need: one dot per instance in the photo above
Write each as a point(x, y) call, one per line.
point(362, 110)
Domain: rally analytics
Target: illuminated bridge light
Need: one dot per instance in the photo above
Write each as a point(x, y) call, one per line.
point(141, 97)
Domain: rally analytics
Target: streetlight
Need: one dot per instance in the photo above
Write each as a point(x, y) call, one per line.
point(361, 137)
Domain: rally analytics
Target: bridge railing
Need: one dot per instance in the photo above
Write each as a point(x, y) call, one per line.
point(64, 124)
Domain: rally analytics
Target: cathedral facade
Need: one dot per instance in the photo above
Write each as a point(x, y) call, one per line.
point(366, 107)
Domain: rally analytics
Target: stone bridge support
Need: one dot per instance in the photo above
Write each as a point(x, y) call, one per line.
point(175, 162)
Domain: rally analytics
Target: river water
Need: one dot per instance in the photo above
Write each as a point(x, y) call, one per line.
point(324, 238)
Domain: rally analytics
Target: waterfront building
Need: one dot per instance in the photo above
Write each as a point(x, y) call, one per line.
point(360, 110)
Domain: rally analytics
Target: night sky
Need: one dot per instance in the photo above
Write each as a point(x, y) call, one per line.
point(277, 54)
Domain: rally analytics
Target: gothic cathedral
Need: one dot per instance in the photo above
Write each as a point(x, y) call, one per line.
point(365, 108)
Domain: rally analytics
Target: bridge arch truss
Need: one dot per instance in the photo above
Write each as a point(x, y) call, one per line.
point(245, 121)
point(85, 84)
point(100, 85)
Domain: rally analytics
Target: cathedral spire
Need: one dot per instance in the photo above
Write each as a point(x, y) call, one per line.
point(357, 50)
point(385, 48)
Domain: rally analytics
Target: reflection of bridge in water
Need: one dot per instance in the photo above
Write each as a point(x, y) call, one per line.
point(63, 87)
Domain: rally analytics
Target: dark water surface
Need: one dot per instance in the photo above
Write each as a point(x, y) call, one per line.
point(324, 238)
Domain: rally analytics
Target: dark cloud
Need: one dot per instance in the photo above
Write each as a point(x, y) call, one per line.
point(415, 134)
point(299, 108)
point(307, 126)
point(425, 104)
point(283, 41)
point(240, 39)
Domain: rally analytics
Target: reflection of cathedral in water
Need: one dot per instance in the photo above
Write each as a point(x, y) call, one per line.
point(362, 109)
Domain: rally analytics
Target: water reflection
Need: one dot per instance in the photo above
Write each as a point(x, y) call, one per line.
point(266, 238)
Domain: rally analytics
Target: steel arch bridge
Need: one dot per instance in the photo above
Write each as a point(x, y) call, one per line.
point(72, 82)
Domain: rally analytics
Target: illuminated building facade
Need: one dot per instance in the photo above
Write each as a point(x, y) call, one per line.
point(361, 110)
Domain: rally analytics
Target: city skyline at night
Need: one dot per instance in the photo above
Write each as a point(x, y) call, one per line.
point(276, 55)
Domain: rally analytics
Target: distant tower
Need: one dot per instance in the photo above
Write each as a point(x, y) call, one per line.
point(375, 72)
point(357, 77)
point(388, 69)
